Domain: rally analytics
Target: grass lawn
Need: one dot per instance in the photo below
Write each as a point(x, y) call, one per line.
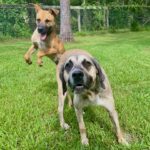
point(28, 96)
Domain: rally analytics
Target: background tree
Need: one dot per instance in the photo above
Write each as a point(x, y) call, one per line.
point(65, 25)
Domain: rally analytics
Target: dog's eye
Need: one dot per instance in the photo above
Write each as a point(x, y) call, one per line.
point(68, 66)
point(38, 20)
point(47, 21)
point(86, 64)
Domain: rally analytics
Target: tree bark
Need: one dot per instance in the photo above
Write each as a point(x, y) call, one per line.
point(65, 25)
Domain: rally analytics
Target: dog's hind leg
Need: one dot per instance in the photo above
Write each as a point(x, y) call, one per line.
point(28, 54)
point(108, 104)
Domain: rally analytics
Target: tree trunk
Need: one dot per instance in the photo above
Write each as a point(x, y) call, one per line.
point(65, 25)
point(79, 20)
point(106, 17)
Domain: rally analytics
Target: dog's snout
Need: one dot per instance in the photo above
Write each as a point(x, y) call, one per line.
point(41, 29)
point(77, 74)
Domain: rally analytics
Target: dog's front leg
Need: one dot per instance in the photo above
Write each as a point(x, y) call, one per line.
point(79, 114)
point(108, 104)
point(61, 100)
point(42, 53)
point(28, 54)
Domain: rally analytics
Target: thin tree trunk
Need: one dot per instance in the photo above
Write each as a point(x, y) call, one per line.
point(79, 20)
point(65, 25)
point(106, 17)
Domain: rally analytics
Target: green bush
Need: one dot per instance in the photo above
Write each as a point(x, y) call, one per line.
point(134, 26)
point(14, 22)
point(112, 29)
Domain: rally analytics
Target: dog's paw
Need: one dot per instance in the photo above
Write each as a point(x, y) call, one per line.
point(28, 60)
point(123, 141)
point(85, 141)
point(40, 63)
point(65, 126)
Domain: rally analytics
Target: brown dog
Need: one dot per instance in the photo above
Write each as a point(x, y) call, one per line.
point(44, 37)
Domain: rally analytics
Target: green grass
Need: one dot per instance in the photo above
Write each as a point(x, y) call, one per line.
point(28, 96)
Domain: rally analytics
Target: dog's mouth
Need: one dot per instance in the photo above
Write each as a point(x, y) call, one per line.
point(79, 87)
point(43, 36)
point(44, 32)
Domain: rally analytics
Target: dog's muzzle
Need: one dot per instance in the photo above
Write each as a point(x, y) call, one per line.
point(77, 80)
point(43, 31)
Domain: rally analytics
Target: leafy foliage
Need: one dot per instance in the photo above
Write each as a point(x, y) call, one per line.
point(134, 26)
point(82, 2)
point(20, 21)
point(14, 22)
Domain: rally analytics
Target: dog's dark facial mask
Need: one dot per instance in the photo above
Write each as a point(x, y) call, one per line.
point(77, 79)
point(81, 77)
point(81, 73)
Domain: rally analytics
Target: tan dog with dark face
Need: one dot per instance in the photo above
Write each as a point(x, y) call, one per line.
point(44, 37)
point(80, 72)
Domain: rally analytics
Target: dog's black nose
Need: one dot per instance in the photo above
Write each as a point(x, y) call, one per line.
point(77, 75)
point(41, 29)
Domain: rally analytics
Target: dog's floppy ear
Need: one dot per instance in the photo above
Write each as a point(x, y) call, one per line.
point(61, 75)
point(37, 7)
point(99, 73)
point(54, 12)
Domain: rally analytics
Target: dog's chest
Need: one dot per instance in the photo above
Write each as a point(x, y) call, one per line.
point(42, 45)
point(90, 99)
point(94, 99)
